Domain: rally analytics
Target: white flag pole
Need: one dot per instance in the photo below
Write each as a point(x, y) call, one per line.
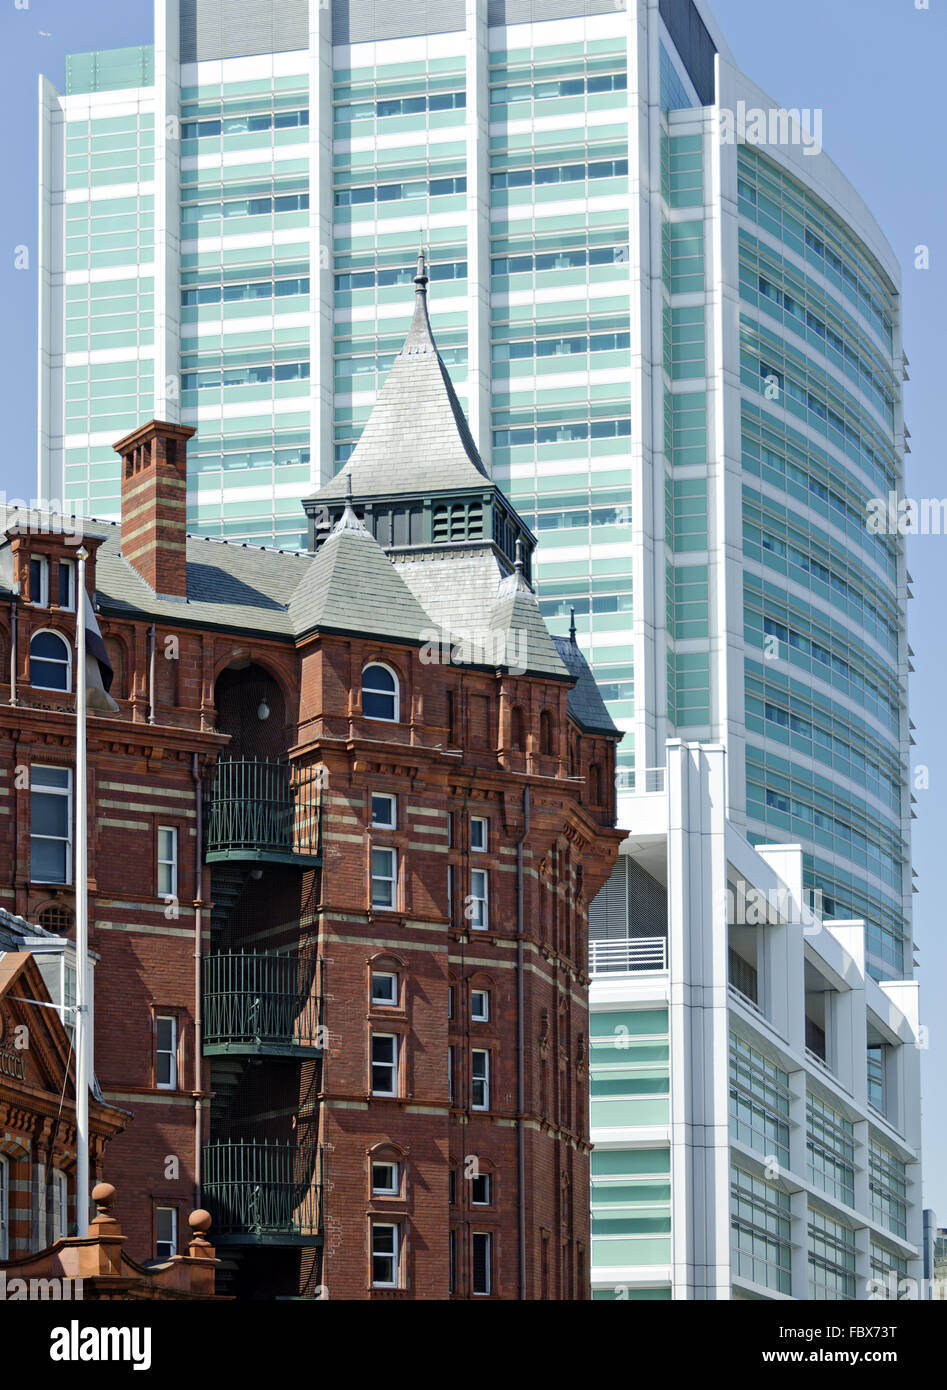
point(83, 992)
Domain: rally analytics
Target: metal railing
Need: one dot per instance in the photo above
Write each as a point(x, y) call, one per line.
point(628, 953)
point(261, 1191)
point(260, 808)
point(254, 1002)
point(643, 782)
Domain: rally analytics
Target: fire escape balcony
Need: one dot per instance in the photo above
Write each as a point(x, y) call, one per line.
point(263, 1192)
point(258, 810)
point(261, 1004)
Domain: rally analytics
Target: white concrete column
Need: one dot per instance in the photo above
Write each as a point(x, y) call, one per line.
point(699, 1019)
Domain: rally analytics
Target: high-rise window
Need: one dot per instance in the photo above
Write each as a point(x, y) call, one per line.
point(384, 987)
point(384, 810)
point(39, 581)
point(384, 1064)
point(50, 661)
point(482, 1271)
point(479, 899)
point(67, 585)
point(166, 1232)
point(50, 825)
point(167, 861)
point(480, 1079)
point(386, 1179)
point(385, 1255)
point(166, 1052)
point(384, 878)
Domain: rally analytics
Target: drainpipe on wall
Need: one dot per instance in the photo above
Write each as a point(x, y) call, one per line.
point(151, 674)
point(13, 617)
point(521, 1051)
point(198, 942)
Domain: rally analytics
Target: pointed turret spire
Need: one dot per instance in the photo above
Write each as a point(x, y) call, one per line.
point(416, 438)
point(572, 627)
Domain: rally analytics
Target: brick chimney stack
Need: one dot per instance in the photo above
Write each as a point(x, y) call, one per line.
point(154, 504)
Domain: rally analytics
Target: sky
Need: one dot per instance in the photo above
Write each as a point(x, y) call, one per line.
point(875, 70)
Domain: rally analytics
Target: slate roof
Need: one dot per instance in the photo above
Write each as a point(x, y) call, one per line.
point(352, 586)
point(417, 438)
point(585, 699)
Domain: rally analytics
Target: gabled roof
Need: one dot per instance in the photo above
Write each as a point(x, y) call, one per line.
point(352, 586)
point(416, 439)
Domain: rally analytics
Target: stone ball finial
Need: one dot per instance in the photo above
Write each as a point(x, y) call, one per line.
point(199, 1221)
point(103, 1195)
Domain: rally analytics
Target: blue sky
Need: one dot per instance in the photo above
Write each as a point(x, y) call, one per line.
point(875, 68)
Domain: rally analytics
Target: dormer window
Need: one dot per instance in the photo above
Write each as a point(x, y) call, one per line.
point(39, 581)
point(50, 662)
point(380, 694)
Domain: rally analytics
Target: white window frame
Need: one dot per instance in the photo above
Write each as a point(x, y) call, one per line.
point(173, 1242)
point(394, 695)
point(170, 864)
point(172, 1052)
point(64, 791)
point(482, 1080)
point(484, 1236)
point(70, 568)
point(479, 830)
point(59, 1214)
point(391, 975)
point(485, 1178)
point(481, 997)
point(392, 800)
point(394, 1254)
point(51, 660)
point(43, 600)
point(480, 878)
point(393, 1187)
point(390, 1066)
point(391, 878)
point(4, 1207)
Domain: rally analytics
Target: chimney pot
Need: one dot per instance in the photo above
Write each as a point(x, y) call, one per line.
point(154, 504)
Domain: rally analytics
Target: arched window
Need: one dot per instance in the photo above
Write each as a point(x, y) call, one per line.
point(517, 729)
point(380, 695)
point(595, 784)
point(545, 733)
point(50, 662)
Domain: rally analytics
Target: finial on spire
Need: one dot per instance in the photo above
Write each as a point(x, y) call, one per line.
point(572, 626)
point(348, 487)
point(518, 564)
point(421, 278)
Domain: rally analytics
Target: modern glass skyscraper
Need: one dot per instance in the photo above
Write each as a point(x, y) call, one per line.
point(673, 324)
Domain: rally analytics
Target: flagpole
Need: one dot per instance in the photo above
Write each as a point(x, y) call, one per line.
point(83, 993)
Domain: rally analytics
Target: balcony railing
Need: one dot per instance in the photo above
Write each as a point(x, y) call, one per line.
point(627, 954)
point(642, 781)
point(261, 1004)
point(261, 1192)
point(258, 809)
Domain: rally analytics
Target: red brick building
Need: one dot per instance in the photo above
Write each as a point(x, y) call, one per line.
point(347, 823)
